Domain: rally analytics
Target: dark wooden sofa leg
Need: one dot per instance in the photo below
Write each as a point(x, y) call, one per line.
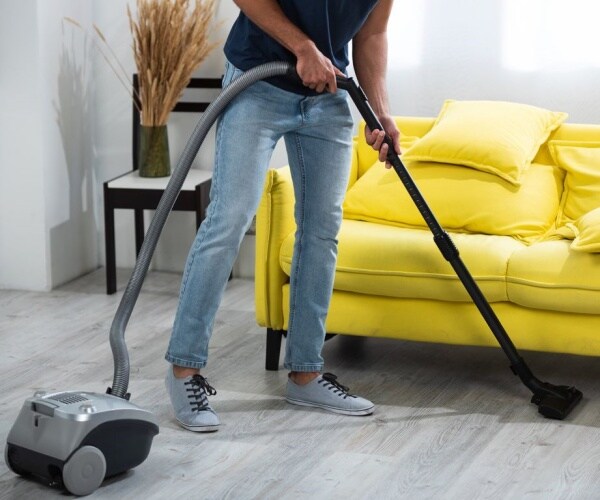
point(273, 348)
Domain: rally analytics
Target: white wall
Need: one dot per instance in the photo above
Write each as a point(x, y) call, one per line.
point(22, 245)
point(65, 121)
point(47, 235)
point(67, 163)
point(541, 52)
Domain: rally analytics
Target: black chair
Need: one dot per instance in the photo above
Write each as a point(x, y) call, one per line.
point(129, 191)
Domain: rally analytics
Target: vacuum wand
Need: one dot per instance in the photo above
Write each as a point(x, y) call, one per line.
point(553, 401)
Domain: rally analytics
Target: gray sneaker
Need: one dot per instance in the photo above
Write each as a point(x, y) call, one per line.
point(190, 402)
point(327, 393)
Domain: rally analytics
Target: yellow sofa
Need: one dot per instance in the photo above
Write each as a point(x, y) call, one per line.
point(391, 280)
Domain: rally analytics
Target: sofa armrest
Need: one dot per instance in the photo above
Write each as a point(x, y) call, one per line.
point(274, 223)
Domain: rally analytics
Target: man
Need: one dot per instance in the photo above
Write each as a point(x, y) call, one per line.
point(314, 120)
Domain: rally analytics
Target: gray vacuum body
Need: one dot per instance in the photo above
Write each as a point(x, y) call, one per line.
point(77, 439)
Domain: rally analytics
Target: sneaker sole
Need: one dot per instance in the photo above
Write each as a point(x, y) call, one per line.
point(358, 413)
point(198, 428)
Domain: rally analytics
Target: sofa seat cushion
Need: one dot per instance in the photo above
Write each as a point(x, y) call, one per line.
point(551, 276)
point(384, 260)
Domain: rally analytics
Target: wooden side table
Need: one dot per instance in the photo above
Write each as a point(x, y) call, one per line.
point(137, 193)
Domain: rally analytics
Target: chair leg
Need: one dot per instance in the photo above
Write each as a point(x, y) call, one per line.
point(139, 230)
point(273, 348)
point(109, 241)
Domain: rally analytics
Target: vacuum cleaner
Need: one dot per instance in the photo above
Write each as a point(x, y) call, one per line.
point(76, 439)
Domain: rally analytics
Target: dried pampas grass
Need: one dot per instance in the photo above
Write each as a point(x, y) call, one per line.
point(170, 40)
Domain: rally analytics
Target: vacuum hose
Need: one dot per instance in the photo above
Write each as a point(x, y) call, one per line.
point(132, 291)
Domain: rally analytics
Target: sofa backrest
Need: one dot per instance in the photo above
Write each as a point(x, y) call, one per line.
point(575, 132)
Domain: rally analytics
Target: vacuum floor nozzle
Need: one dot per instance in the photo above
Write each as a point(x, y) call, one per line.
point(556, 402)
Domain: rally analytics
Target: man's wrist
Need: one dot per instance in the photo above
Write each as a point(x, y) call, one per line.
point(303, 47)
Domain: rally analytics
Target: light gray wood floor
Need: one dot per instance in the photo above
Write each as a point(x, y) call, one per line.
point(451, 422)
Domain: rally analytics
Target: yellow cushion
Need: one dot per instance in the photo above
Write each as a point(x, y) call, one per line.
point(375, 259)
point(587, 231)
point(549, 275)
point(498, 137)
point(462, 199)
point(581, 160)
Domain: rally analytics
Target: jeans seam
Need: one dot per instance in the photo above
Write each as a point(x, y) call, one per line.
point(198, 241)
point(300, 223)
point(209, 215)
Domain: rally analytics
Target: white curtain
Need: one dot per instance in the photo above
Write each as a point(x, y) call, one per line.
point(540, 52)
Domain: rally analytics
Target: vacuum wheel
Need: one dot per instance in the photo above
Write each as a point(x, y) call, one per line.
point(84, 471)
point(13, 467)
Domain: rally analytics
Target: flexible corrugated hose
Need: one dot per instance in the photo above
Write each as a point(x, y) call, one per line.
point(132, 291)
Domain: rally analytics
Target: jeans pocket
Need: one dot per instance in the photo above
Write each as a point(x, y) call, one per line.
point(231, 73)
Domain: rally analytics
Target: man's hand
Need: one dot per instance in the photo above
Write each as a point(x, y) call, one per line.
point(375, 138)
point(315, 70)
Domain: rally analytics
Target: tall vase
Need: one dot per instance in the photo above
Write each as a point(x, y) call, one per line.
point(154, 160)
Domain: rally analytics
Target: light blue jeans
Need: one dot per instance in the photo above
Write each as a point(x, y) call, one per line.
point(318, 134)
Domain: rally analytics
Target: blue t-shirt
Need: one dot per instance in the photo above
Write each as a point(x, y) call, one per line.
point(331, 24)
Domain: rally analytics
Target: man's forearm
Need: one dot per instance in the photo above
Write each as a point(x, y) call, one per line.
point(370, 49)
point(370, 64)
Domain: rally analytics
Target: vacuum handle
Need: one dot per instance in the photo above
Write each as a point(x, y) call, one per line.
point(364, 108)
point(360, 100)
